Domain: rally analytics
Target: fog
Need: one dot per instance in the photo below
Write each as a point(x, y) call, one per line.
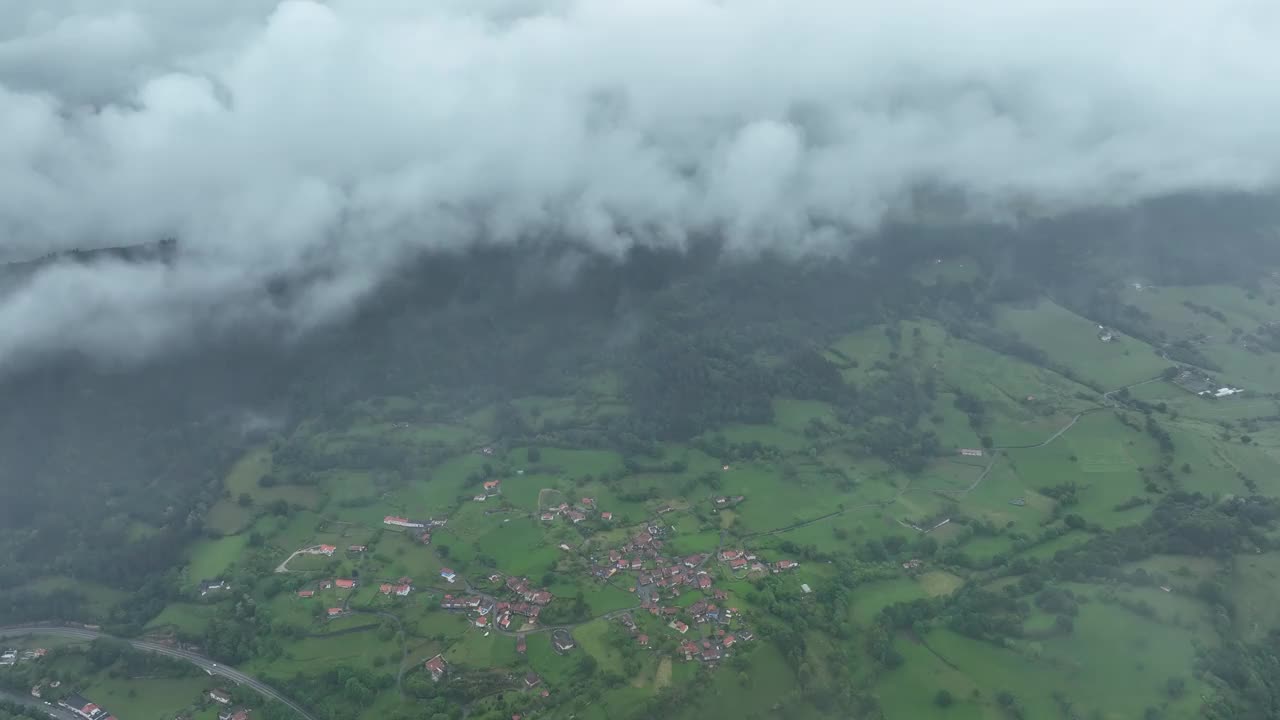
point(333, 141)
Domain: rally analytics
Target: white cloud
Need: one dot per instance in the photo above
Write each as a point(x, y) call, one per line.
point(335, 138)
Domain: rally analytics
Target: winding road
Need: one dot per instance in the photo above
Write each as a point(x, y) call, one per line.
point(199, 661)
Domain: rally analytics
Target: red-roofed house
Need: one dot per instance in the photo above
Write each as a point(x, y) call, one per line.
point(521, 646)
point(492, 486)
point(785, 565)
point(306, 593)
point(335, 612)
point(482, 621)
point(438, 667)
point(344, 583)
point(738, 563)
point(643, 639)
point(606, 516)
point(728, 641)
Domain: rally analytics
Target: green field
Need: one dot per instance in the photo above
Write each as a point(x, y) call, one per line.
point(212, 558)
point(815, 489)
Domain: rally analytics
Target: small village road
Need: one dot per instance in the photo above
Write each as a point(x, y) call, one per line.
point(200, 661)
point(50, 710)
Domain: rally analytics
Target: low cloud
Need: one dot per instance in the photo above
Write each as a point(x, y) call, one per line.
point(333, 140)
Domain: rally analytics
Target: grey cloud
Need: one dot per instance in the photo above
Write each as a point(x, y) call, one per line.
point(332, 139)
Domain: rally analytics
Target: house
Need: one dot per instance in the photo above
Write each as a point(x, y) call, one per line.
point(521, 646)
point(326, 584)
point(728, 555)
point(643, 640)
point(425, 537)
point(306, 593)
point(704, 581)
point(785, 565)
point(220, 696)
point(402, 522)
point(540, 597)
point(532, 679)
point(561, 640)
point(694, 560)
point(728, 641)
point(236, 714)
point(480, 498)
point(689, 648)
point(345, 583)
point(804, 587)
point(335, 612)
point(492, 486)
point(738, 563)
point(710, 653)
point(588, 502)
point(576, 516)
point(482, 621)
point(679, 627)
point(208, 586)
point(606, 516)
point(356, 548)
point(548, 516)
point(448, 574)
point(971, 452)
point(438, 667)
point(504, 620)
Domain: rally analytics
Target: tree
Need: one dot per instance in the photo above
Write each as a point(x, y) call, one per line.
point(943, 699)
point(533, 455)
point(1074, 521)
point(245, 500)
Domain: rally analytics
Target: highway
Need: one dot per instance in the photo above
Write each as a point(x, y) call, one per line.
point(199, 661)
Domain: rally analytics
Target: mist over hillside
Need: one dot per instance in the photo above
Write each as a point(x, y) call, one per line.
point(325, 145)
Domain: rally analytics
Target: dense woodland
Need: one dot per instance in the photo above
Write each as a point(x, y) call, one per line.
point(86, 453)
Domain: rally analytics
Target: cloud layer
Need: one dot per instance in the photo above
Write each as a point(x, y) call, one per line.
point(331, 140)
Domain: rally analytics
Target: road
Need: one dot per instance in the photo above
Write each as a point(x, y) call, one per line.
point(199, 661)
point(51, 711)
